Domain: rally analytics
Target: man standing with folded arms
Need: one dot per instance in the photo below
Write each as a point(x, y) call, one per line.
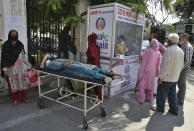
point(188, 52)
point(172, 65)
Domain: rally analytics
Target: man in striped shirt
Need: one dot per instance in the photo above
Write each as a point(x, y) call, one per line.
point(188, 52)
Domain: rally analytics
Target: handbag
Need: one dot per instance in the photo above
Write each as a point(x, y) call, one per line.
point(33, 78)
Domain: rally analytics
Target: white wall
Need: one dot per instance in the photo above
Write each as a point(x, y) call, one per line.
point(80, 33)
point(1, 21)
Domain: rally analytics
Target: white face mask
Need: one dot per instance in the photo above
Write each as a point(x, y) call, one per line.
point(122, 43)
point(165, 43)
point(181, 42)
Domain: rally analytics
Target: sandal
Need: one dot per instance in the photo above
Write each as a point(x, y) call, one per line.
point(75, 97)
point(172, 112)
point(15, 103)
point(27, 101)
point(97, 101)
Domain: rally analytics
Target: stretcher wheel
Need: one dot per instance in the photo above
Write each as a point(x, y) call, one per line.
point(63, 92)
point(41, 104)
point(103, 112)
point(85, 124)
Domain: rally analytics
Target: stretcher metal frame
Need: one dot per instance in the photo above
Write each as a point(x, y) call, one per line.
point(86, 97)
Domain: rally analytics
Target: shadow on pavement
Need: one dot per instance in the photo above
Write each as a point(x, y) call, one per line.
point(122, 113)
point(167, 122)
point(190, 76)
point(137, 112)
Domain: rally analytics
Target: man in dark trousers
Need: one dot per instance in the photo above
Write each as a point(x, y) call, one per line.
point(188, 52)
point(171, 66)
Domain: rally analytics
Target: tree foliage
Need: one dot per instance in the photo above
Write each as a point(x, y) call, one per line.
point(65, 9)
point(142, 6)
point(184, 9)
point(57, 8)
point(54, 11)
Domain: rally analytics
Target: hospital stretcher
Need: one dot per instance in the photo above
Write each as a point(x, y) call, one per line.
point(93, 83)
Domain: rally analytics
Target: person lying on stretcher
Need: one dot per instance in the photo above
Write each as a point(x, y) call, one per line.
point(79, 69)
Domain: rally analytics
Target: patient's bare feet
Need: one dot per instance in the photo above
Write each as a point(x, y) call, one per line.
point(117, 76)
point(107, 79)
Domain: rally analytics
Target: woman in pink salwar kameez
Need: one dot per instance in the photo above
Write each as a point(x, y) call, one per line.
point(150, 67)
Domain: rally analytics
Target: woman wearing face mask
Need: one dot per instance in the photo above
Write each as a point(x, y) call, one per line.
point(150, 67)
point(13, 67)
point(120, 46)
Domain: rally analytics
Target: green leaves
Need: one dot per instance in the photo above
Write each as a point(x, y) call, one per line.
point(73, 20)
point(41, 2)
point(184, 9)
point(60, 9)
point(168, 28)
point(179, 2)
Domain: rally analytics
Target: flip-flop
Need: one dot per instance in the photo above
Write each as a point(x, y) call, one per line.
point(75, 97)
point(27, 101)
point(15, 103)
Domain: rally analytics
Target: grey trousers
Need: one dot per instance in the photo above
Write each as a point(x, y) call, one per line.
point(182, 85)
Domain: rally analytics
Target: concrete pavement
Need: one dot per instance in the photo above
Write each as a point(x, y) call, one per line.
point(124, 113)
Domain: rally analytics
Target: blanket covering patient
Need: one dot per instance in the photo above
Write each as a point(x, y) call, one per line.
point(79, 69)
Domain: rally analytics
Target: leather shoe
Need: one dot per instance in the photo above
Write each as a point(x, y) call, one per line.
point(174, 113)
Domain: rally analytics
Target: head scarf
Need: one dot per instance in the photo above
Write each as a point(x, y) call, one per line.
point(66, 43)
point(10, 52)
point(9, 35)
point(93, 51)
point(154, 44)
point(92, 39)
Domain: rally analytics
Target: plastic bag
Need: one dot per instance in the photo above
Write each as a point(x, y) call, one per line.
point(33, 78)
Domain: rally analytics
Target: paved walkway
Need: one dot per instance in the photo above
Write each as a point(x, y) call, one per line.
point(124, 113)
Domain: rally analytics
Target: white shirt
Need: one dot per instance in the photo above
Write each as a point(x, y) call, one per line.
point(172, 64)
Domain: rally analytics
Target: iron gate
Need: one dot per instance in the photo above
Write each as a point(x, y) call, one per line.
point(43, 33)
